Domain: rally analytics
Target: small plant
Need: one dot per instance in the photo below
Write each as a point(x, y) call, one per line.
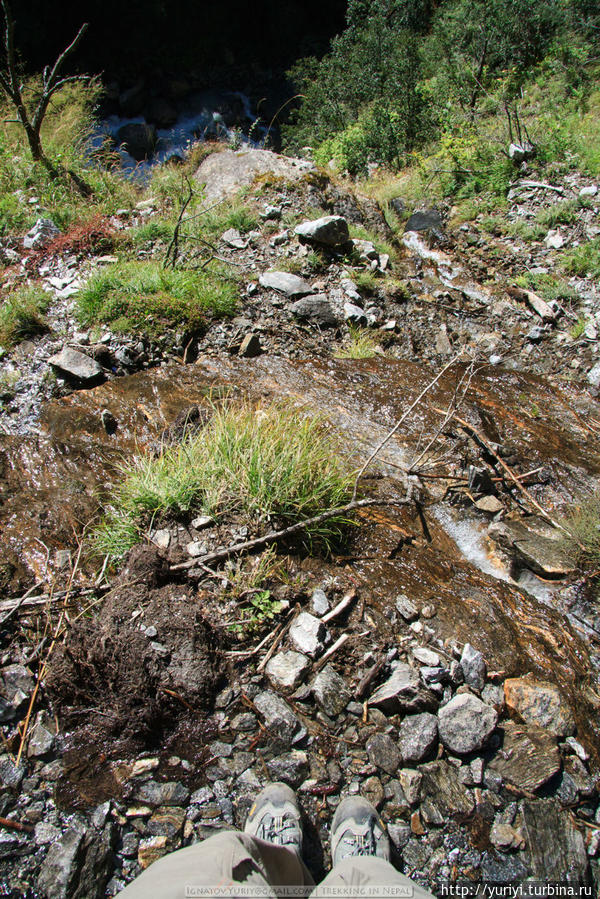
point(144, 298)
point(151, 232)
point(360, 345)
point(578, 328)
point(582, 526)
point(584, 260)
point(263, 463)
point(22, 315)
point(260, 608)
point(366, 281)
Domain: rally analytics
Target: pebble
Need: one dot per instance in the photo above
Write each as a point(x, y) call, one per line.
point(330, 691)
point(287, 669)
point(383, 752)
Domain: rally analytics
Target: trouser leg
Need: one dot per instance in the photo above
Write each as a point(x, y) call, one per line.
point(223, 860)
point(365, 875)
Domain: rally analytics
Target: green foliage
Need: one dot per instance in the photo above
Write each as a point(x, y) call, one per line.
point(549, 287)
point(263, 463)
point(144, 298)
point(360, 345)
point(584, 260)
point(22, 315)
point(366, 281)
point(582, 524)
point(151, 232)
point(579, 327)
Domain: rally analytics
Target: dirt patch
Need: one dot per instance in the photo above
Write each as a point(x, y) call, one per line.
point(147, 661)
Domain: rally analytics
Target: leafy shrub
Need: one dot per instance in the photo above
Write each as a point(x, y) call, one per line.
point(263, 463)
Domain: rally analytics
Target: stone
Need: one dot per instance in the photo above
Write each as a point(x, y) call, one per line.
point(554, 240)
point(540, 703)
point(286, 283)
point(443, 789)
point(466, 724)
point(291, 768)
point(536, 544)
point(504, 837)
point(330, 691)
point(41, 738)
point(316, 308)
point(588, 191)
point(279, 718)
point(351, 290)
point(426, 656)
point(383, 753)
point(425, 220)
point(11, 775)
point(354, 314)
point(406, 608)
point(319, 604)
point(224, 174)
point(167, 793)
point(474, 667)
point(371, 789)
point(410, 781)
point(329, 231)
point(417, 737)
point(59, 869)
point(43, 233)
point(287, 669)
point(46, 833)
point(593, 375)
point(234, 239)
point(491, 505)
point(77, 365)
point(139, 140)
point(399, 834)
point(150, 850)
point(402, 692)
point(554, 845)
point(307, 634)
point(527, 758)
point(250, 347)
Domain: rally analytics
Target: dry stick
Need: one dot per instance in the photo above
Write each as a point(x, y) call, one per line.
point(40, 600)
point(484, 443)
point(15, 825)
point(19, 603)
point(342, 604)
point(279, 638)
point(334, 648)
point(272, 536)
point(401, 421)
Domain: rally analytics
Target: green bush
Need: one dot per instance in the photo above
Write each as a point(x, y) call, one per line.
point(261, 463)
point(22, 315)
point(144, 298)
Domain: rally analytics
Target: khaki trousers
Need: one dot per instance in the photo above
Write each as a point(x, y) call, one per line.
point(234, 864)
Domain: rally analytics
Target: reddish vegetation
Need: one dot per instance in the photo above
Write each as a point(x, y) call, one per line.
point(90, 238)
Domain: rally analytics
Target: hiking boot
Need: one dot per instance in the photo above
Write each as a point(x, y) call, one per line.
point(357, 829)
point(275, 817)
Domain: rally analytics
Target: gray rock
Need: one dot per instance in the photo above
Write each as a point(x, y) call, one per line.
point(45, 833)
point(425, 220)
point(319, 604)
point(224, 174)
point(250, 347)
point(60, 868)
point(316, 308)
point(536, 544)
point(329, 231)
point(286, 283)
point(589, 191)
point(539, 702)
point(365, 250)
point(330, 691)
point(406, 608)
point(287, 669)
point(383, 753)
point(279, 718)
point(170, 793)
point(234, 239)
point(411, 784)
point(77, 365)
point(350, 289)
point(307, 634)
point(527, 758)
point(41, 739)
point(444, 791)
point(554, 844)
point(354, 314)
point(418, 737)
point(11, 776)
point(43, 233)
point(474, 667)
point(466, 723)
point(593, 375)
point(402, 692)
point(139, 139)
point(291, 768)
point(426, 656)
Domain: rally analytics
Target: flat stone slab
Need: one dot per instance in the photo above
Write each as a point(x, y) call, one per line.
point(536, 544)
point(330, 691)
point(555, 846)
point(528, 757)
point(77, 365)
point(441, 786)
point(540, 703)
point(286, 283)
point(402, 692)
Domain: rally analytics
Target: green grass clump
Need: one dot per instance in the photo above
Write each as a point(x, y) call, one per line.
point(584, 260)
point(549, 287)
point(582, 526)
point(261, 463)
point(151, 232)
point(366, 281)
point(22, 315)
point(578, 328)
point(144, 298)
point(360, 345)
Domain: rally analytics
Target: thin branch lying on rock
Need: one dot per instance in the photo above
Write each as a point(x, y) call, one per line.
point(273, 536)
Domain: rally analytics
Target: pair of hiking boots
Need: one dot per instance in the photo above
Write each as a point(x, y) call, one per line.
point(356, 828)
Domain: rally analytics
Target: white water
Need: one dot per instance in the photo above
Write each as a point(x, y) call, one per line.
point(200, 119)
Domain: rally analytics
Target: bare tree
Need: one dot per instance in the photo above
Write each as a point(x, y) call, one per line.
point(10, 81)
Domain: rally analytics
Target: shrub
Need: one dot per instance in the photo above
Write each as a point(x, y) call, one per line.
point(582, 524)
point(263, 463)
point(144, 298)
point(22, 315)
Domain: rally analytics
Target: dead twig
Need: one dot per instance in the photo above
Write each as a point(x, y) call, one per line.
point(277, 641)
point(16, 825)
point(340, 607)
point(19, 603)
point(334, 648)
point(368, 678)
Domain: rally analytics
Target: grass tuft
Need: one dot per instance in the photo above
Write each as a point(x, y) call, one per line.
point(144, 298)
point(360, 345)
point(22, 315)
point(262, 463)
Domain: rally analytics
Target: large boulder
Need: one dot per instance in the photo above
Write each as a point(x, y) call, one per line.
point(139, 140)
point(330, 231)
point(224, 174)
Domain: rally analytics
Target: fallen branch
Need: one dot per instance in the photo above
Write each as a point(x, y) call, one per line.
point(273, 536)
point(367, 679)
point(478, 436)
point(41, 599)
point(340, 607)
point(18, 603)
point(16, 825)
point(401, 420)
point(277, 641)
point(334, 648)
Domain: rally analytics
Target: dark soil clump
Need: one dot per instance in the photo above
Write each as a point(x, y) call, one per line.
point(146, 661)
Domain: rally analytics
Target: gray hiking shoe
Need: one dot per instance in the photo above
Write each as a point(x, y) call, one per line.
point(357, 829)
point(275, 817)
